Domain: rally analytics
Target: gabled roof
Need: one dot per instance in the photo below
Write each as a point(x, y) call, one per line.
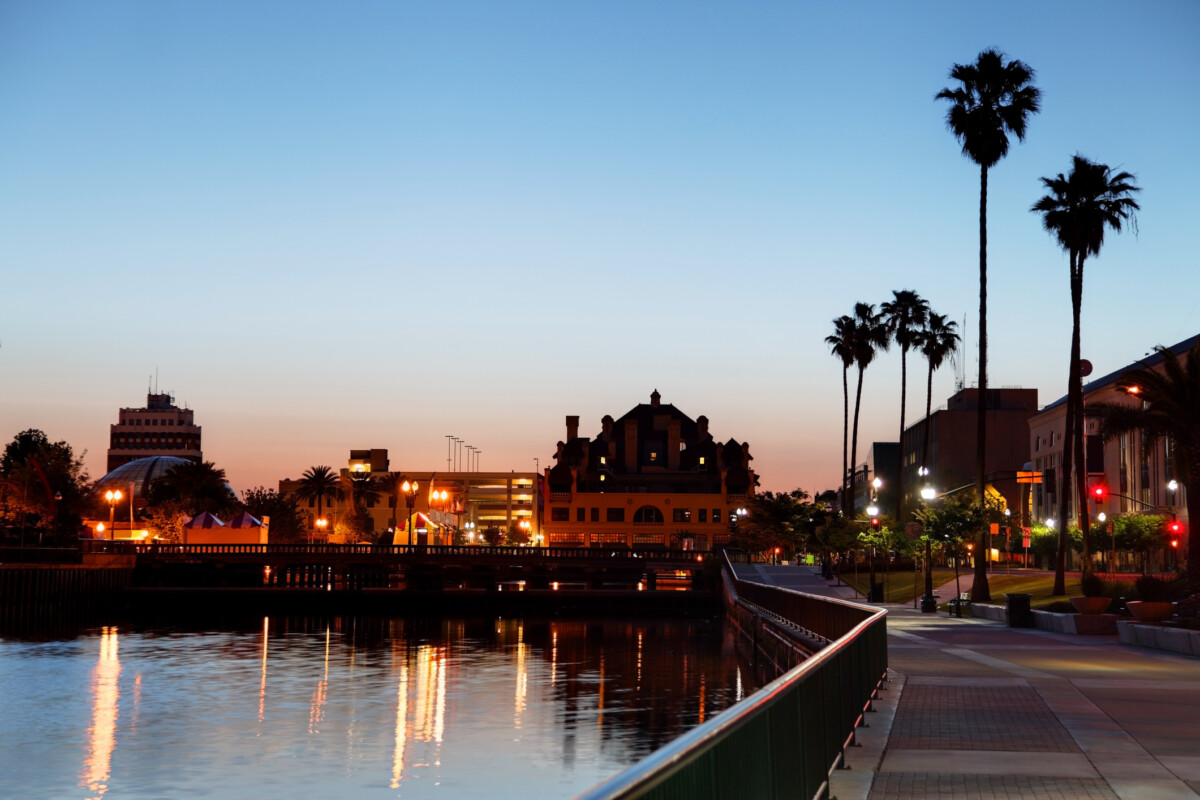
point(1152, 359)
point(245, 520)
point(204, 520)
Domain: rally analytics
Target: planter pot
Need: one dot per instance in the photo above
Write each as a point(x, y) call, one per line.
point(1149, 611)
point(1091, 605)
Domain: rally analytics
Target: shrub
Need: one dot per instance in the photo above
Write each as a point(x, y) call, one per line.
point(1151, 589)
point(1092, 586)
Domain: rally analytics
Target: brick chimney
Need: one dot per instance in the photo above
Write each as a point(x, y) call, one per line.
point(673, 444)
point(572, 427)
point(654, 398)
point(631, 446)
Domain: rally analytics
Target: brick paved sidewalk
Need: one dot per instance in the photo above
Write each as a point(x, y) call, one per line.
point(977, 710)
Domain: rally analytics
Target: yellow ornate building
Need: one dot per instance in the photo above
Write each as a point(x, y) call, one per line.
point(654, 478)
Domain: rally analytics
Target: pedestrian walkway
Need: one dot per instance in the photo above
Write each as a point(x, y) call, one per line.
point(977, 710)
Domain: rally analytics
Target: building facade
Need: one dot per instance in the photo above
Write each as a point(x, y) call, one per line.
point(159, 429)
point(653, 478)
point(1137, 477)
point(474, 502)
point(952, 454)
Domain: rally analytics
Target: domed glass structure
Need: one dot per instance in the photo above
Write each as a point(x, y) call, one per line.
point(139, 473)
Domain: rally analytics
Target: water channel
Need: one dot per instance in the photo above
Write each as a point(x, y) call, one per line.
point(355, 707)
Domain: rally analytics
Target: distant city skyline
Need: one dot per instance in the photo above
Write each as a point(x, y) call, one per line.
point(330, 227)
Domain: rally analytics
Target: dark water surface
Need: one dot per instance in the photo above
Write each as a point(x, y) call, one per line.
point(353, 707)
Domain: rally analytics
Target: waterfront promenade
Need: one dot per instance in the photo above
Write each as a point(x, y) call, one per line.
point(977, 710)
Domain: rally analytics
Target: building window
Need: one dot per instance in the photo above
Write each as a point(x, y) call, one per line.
point(595, 515)
point(653, 456)
point(581, 515)
point(681, 515)
point(647, 515)
point(702, 464)
point(603, 461)
point(614, 514)
point(704, 515)
point(716, 515)
point(560, 515)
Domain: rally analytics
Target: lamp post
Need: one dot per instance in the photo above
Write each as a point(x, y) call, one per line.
point(525, 527)
point(928, 602)
point(1112, 557)
point(410, 498)
point(113, 496)
point(321, 525)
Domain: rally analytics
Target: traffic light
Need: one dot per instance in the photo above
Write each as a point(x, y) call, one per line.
point(1099, 493)
point(1174, 527)
point(875, 524)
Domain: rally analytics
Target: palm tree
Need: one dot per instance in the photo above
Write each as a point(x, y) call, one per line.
point(319, 484)
point(870, 337)
point(364, 490)
point(993, 100)
point(841, 343)
point(1169, 408)
point(905, 315)
point(938, 341)
point(1076, 211)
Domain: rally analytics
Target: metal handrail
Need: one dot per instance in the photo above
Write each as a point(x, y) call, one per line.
point(785, 739)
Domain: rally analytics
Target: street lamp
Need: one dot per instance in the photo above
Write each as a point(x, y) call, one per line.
point(928, 602)
point(410, 498)
point(470, 529)
point(113, 496)
point(525, 527)
point(321, 525)
point(1112, 558)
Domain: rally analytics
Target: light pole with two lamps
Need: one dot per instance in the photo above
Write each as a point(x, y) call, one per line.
point(113, 496)
point(410, 499)
point(928, 602)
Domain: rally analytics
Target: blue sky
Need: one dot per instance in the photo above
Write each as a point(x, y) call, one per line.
point(334, 226)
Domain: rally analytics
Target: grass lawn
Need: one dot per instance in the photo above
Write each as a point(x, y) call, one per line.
point(900, 586)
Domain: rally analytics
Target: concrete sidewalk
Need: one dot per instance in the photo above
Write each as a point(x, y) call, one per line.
point(978, 710)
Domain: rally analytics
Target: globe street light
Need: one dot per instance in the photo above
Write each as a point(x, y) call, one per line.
point(113, 496)
point(928, 602)
point(410, 498)
point(321, 524)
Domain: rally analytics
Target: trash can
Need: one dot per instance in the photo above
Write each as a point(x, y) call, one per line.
point(1020, 615)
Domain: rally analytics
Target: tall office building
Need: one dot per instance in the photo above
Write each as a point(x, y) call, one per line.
point(159, 429)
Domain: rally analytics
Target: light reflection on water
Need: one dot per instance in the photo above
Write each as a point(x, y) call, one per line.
point(365, 708)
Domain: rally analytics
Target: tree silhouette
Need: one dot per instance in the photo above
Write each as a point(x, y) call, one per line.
point(938, 340)
point(1077, 210)
point(905, 316)
point(993, 99)
point(319, 484)
point(841, 344)
point(1168, 409)
point(870, 336)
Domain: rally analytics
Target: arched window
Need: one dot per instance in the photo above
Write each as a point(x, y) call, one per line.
point(648, 515)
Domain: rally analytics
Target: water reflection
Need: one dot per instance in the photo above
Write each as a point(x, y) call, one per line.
point(374, 708)
point(102, 738)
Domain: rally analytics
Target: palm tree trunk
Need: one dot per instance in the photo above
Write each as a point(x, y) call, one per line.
point(1068, 456)
point(845, 434)
point(979, 589)
point(900, 448)
point(1081, 467)
point(854, 439)
point(928, 407)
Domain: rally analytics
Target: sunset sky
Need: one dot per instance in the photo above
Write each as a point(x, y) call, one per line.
point(328, 226)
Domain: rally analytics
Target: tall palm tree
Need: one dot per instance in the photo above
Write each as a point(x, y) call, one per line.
point(841, 344)
point(319, 484)
point(993, 99)
point(1169, 408)
point(905, 315)
point(938, 341)
point(871, 336)
point(1077, 210)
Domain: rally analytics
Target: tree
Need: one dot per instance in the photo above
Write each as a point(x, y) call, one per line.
point(165, 520)
point(776, 520)
point(950, 525)
point(938, 341)
point(319, 484)
point(43, 485)
point(841, 343)
point(1077, 210)
point(870, 336)
point(905, 316)
point(993, 99)
point(197, 486)
point(286, 523)
point(1169, 409)
point(364, 490)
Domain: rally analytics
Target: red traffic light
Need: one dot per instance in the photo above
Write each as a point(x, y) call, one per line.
point(1174, 526)
point(1174, 543)
point(875, 523)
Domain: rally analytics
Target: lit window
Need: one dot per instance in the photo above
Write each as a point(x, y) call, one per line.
point(702, 461)
point(653, 455)
point(603, 460)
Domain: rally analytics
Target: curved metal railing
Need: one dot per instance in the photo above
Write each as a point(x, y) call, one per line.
point(786, 739)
